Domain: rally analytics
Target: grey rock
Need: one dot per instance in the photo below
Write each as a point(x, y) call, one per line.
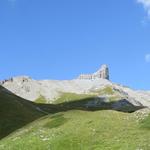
point(102, 73)
point(31, 89)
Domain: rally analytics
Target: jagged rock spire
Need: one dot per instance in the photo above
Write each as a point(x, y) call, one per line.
point(102, 73)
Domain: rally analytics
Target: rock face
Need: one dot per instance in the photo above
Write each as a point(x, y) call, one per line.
point(31, 89)
point(102, 73)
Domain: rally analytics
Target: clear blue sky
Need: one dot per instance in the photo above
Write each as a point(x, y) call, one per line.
point(59, 39)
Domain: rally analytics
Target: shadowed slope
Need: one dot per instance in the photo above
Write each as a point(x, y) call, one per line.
point(91, 104)
point(15, 112)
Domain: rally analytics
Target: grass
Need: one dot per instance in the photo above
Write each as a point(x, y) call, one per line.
point(81, 130)
point(89, 102)
point(41, 99)
point(15, 112)
point(56, 121)
point(145, 123)
point(105, 91)
point(68, 97)
point(68, 128)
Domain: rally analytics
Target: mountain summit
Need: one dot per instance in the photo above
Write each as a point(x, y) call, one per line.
point(92, 104)
point(102, 73)
point(96, 84)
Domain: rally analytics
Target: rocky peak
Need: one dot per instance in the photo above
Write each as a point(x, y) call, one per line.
point(102, 73)
point(16, 79)
point(22, 78)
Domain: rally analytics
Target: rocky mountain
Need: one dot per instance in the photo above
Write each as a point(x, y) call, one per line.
point(102, 73)
point(85, 113)
point(96, 84)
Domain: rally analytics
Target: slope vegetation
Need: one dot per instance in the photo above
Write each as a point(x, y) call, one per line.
point(82, 130)
point(15, 112)
point(73, 121)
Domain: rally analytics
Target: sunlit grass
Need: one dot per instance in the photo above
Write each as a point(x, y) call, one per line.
point(81, 130)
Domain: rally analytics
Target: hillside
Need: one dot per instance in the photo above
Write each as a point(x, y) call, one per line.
point(87, 113)
point(82, 130)
point(87, 84)
point(15, 112)
point(70, 124)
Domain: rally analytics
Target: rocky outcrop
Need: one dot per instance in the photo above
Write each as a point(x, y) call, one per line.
point(102, 73)
point(31, 89)
point(7, 80)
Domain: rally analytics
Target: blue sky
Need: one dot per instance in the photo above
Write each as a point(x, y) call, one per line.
point(59, 39)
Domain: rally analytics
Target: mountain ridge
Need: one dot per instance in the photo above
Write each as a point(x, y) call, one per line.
point(51, 90)
point(67, 114)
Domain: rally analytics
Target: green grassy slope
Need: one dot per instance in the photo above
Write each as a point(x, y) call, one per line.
point(15, 112)
point(81, 130)
point(71, 125)
point(41, 100)
point(91, 102)
point(69, 97)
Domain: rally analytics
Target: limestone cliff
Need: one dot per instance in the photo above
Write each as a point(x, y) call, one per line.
point(102, 73)
point(31, 89)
